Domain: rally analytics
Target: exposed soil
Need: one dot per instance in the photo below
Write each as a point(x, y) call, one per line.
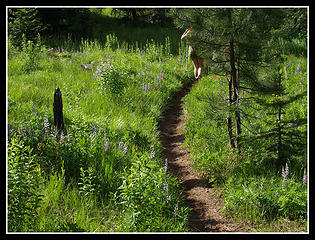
point(204, 200)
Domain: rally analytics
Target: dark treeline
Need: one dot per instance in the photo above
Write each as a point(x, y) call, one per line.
point(78, 22)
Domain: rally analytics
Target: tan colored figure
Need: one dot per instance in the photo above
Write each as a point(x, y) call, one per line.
point(194, 54)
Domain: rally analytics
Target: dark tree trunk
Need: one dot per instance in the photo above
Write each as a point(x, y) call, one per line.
point(57, 107)
point(134, 14)
point(234, 82)
point(228, 119)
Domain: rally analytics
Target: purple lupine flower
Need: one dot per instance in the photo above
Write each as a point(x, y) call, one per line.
point(286, 169)
point(168, 198)
point(125, 149)
point(121, 145)
point(152, 152)
point(165, 166)
point(284, 174)
point(148, 86)
point(176, 209)
point(288, 65)
point(68, 137)
point(46, 125)
point(106, 146)
point(165, 187)
point(62, 137)
point(276, 193)
point(84, 52)
point(94, 132)
point(298, 67)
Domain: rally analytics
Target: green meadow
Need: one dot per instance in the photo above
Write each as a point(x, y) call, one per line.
point(104, 172)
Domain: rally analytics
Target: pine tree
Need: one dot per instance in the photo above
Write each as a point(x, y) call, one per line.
point(284, 136)
point(233, 40)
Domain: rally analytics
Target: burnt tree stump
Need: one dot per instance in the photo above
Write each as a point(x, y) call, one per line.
point(58, 115)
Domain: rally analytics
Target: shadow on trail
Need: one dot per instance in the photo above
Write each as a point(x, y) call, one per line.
point(203, 200)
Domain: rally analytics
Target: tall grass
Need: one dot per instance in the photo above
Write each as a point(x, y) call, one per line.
point(109, 129)
point(254, 190)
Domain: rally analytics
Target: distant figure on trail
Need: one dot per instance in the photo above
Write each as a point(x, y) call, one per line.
point(194, 54)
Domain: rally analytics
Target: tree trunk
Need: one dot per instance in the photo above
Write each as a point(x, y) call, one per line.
point(234, 81)
point(57, 108)
point(228, 119)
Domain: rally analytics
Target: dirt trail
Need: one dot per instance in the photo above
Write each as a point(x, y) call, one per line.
point(204, 200)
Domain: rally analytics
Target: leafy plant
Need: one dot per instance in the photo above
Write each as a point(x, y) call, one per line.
point(32, 51)
point(111, 78)
point(87, 184)
point(24, 178)
point(148, 191)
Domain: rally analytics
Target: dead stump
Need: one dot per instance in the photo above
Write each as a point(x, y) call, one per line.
point(57, 107)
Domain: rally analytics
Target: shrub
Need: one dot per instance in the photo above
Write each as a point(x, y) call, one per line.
point(32, 53)
point(147, 191)
point(111, 78)
point(24, 177)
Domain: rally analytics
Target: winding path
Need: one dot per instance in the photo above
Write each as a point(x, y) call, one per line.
point(204, 200)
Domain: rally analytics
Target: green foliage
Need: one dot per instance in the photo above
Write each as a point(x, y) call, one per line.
point(265, 198)
point(87, 185)
point(206, 131)
point(274, 133)
point(294, 25)
point(147, 15)
point(112, 78)
point(24, 22)
point(106, 129)
point(282, 130)
point(296, 46)
point(32, 53)
point(98, 175)
point(24, 179)
point(147, 191)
